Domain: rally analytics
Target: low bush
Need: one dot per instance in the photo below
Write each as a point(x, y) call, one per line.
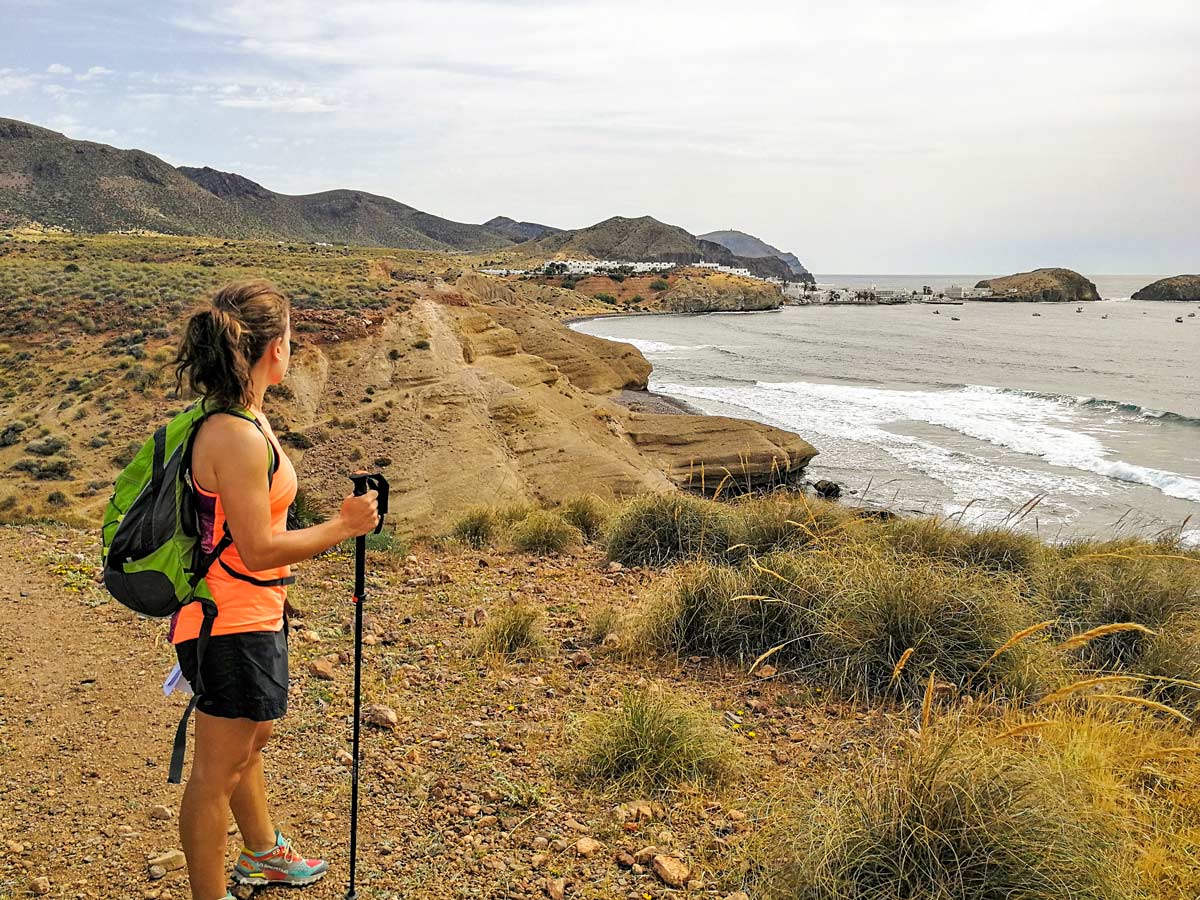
point(476, 528)
point(304, 511)
point(544, 532)
point(511, 632)
point(654, 741)
point(994, 549)
point(46, 446)
point(789, 521)
point(863, 619)
point(658, 285)
point(588, 513)
point(389, 544)
point(955, 819)
point(658, 529)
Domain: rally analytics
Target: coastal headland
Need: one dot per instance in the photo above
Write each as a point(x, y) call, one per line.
point(462, 388)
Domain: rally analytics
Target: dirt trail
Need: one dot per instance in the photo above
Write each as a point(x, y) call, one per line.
point(468, 796)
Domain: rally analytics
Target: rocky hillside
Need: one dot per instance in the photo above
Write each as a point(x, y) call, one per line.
point(647, 239)
point(461, 388)
point(519, 231)
point(686, 290)
point(748, 246)
point(48, 178)
point(1178, 287)
point(1041, 286)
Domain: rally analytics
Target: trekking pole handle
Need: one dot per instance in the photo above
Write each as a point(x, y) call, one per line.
point(363, 482)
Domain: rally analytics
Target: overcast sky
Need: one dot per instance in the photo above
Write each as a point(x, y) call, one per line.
point(900, 136)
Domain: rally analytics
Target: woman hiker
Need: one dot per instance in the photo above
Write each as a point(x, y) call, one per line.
point(231, 353)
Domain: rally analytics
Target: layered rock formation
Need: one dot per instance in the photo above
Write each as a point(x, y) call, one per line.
point(1041, 286)
point(1178, 287)
point(464, 390)
point(717, 293)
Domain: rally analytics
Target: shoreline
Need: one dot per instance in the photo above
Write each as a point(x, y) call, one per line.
point(648, 401)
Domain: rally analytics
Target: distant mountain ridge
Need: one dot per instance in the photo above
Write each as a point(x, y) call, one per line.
point(519, 231)
point(649, 240)
point(48, 178)
point(750, 247)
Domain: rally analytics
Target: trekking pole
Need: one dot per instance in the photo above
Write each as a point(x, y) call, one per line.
point(362, 484)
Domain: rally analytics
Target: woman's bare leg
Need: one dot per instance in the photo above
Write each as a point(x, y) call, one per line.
point(249, 799)
point(224, 748)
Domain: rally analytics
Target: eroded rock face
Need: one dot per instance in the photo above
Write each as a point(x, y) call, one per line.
point(1178, 287)
point(704, 453)
point(718, 293)
point(460, 403)
point(1041, 286)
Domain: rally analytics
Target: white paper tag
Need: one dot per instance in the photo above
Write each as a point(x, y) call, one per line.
point(176, 682)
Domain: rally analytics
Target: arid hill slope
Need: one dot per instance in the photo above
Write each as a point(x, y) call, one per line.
point(461, 388)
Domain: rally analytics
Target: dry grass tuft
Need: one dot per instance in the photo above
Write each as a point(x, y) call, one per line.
point(512, 632)
point(476, 528)
point(544, 532)
point(955, 818)
point(654, 741)
point(659, 529)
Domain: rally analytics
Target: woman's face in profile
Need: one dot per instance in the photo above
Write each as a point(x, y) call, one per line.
point(285, 355)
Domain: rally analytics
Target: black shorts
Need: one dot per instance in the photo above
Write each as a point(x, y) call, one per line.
point(245, 675)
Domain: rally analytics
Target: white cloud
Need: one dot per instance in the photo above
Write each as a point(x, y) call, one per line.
point(93, 73)
point(58, 69)
point(864, 134)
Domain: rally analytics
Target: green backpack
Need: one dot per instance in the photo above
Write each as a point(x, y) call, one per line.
point(151, 549)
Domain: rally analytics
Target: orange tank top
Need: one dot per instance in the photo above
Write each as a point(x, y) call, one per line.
point(241, 606)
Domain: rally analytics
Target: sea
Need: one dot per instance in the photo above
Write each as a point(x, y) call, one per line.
point(1071, 421)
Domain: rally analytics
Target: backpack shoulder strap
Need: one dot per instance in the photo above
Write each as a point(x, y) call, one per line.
point(241, 414)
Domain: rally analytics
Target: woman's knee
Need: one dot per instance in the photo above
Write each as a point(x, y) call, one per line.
point(262, 736)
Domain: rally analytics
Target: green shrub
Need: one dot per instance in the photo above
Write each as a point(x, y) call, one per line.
point(588, 513)
point(56, 498)
point(388, 543)
point(635, 299)
point(421, 344)
point(654, 741)
point(606, 298)
point(12, 432)
point(476, 528)
point(790, 521)
point(850, 614)
point(46, 446)
point(513, 631)
point(304, 511)
point(659, 529)
point(952, 820)
point(995, 549)
point(658, 285)
point(616, 276)
point(544, 532)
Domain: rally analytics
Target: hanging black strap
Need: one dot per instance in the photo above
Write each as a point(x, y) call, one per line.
point(175, 773)
point(257, 582)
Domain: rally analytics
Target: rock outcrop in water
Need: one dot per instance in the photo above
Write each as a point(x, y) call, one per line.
point(1178, 287)
point(1041, 286)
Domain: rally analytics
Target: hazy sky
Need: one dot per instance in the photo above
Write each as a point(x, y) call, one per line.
point(902, 136)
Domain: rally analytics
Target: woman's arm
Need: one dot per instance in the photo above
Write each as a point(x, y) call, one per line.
point(241, 474)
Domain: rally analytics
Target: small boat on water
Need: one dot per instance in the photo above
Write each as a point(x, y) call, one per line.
point(1037, 315)
point(1179, 319)
point(955, 319)
point(1105, 316)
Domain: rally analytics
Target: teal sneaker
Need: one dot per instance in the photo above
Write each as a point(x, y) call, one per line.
point(279, 865)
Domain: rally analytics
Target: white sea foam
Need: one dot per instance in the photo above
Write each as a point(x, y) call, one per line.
point(1040, 427)
point(651, 346)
